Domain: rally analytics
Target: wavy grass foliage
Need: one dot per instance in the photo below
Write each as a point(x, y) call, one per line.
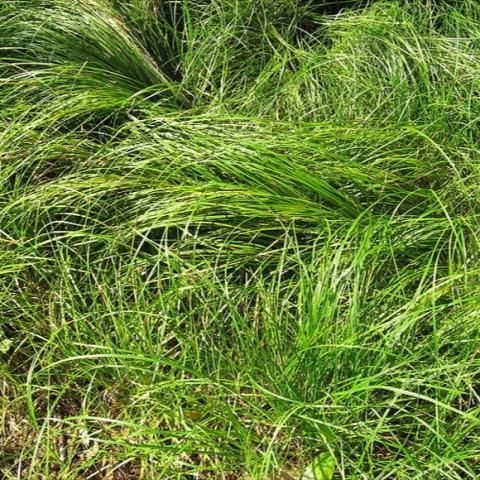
point(236, 234)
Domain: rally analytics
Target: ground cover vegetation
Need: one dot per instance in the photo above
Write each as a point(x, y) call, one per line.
point(239, 234)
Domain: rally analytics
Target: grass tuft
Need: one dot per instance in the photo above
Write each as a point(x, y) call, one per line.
point(236, 235)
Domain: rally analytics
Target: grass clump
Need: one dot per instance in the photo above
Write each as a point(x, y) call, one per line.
point(236, 235)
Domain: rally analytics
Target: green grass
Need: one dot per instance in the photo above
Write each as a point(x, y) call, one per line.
point(238, 234)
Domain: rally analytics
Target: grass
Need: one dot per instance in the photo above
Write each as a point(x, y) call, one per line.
point(236, 235)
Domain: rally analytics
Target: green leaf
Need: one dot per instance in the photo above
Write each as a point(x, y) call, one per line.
point(5, 345)
point(322, 468)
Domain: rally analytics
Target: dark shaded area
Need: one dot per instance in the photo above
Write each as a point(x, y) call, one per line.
point(317, 9)
point(326, 7)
